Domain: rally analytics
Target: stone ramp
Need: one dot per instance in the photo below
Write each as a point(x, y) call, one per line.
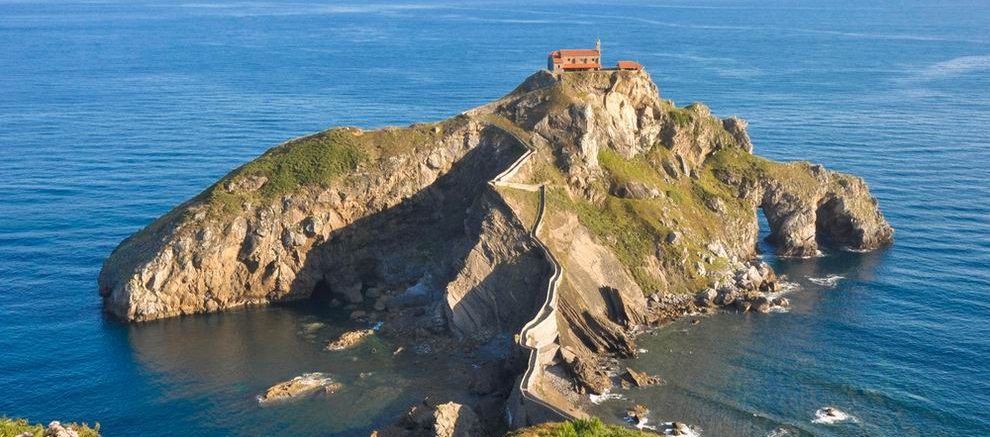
point(530, 404)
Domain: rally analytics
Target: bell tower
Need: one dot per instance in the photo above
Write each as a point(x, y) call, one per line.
point(598, 48)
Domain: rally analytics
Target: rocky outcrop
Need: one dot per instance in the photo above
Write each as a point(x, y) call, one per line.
point(449, 419)
point(304, 385)
point(640, 379)
point(631, 195)
point(349, 339)
point(835, 209)
point(55, 429)
point(503, 272)
point(336, 240)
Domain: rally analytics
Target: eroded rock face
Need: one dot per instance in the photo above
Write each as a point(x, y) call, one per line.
point(838, 210)
point(503, 272)
point(341, 239)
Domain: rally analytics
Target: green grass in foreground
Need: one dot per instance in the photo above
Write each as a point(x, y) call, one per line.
point(14, 427)
point(592, 427)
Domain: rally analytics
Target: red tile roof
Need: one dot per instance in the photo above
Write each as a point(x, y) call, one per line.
point(629, 65)
point(579, 52)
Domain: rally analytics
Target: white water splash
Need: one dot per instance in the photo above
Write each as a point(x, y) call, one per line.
point(691, 432)
point(598, 399)
point(783, 287)
point(831, 415)
point(828, 281)
point(780, 432)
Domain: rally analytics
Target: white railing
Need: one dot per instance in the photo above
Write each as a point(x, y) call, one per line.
point(545, 320)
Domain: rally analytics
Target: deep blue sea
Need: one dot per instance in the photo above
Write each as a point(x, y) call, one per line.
point(113, 111)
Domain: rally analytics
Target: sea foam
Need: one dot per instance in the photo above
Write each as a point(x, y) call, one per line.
point(828, 281)
point(831, 415)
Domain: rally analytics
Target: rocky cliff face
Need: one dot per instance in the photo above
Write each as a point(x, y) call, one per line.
point(642, 198)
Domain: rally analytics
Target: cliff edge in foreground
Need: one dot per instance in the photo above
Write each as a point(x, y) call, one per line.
point(638, 202)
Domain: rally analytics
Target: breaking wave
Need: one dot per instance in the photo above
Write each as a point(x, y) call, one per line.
point(831, 415)
point(828, 281)
point(598, 399)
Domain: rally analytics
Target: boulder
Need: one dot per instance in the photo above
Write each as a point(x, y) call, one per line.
point(637, 413)
point(742, 304)
point(640, 379)
point(589, 377)
point(679, 428)
point(726, 296)
point(437, 420)
point(55, 429)
point(455, 420)
point(631, 190)
point(761, 304)
point(705, 297)
point(782, 302)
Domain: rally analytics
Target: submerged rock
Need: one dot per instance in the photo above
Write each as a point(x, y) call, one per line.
point(303, 385)
point(349, 339)
point(637, 413)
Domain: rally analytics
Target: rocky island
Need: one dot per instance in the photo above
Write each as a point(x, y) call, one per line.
point(566, 215)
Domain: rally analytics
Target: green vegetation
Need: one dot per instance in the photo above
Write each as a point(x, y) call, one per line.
point(318, 159)
point(314, 159)
point(681, 116)
point(526, 204)
point(637, 229)
point(14, 427)
point(623, 170)
point(592, 427)
point(796, 176)
point(624, 225)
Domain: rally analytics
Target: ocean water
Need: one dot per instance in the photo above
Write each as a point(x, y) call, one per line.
point(112, 112)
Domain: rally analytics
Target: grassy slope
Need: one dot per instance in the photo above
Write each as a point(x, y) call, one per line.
point(578, 428)
point(317, 159)
point(14, 427)
point(320, 159)
point(526, 204)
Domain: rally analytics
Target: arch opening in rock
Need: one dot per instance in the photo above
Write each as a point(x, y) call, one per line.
point(833, 226)
point(764, 243)
point(322, 292)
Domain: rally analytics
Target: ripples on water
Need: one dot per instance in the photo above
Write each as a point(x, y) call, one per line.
point(113, 112)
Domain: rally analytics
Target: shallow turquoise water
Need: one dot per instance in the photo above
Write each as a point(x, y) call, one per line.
point(112, 112)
